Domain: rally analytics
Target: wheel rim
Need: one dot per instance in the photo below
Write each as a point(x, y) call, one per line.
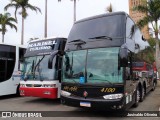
point(154, 85)
point(138, 96)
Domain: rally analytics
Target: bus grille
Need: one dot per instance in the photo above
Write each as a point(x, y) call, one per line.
point(33, 85)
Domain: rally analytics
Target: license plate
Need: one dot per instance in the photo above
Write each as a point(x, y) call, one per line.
point(85, 104)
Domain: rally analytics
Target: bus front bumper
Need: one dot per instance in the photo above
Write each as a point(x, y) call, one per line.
point(50, 93)
point(97, 104)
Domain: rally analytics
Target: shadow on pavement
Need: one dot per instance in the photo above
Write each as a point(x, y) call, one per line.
point(8, 97)
point(45, 101)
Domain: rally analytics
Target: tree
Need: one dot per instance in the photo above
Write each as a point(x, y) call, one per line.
point(23, 5)
point(152, 10)
point(109, 8)
point(74, 16)
point(6, 20)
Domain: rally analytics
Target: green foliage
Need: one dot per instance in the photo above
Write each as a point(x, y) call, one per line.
point(146, 55)
point(152, 10)
point(6, 20)
point(152, 42)
point(23, 5)
point(109, 8)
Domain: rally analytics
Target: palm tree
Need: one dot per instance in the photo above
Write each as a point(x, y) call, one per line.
point(6, 20)
point(74, 13)
point(109, 8)
point(23, 5)
point(152, 10)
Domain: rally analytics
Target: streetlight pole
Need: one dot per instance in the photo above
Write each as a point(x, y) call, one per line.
point(45, 27)
point(74, 11)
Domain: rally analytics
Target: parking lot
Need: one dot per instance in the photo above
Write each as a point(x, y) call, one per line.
point(53, 109)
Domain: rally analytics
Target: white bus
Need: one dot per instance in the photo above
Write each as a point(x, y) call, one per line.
point(10, 64)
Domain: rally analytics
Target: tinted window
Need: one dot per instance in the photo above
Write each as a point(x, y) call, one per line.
point(129, 28)
point(92, 66)
point(35, 68)
point(7, 61)
point(138, 64)
point(111, 26)
point(21, 55)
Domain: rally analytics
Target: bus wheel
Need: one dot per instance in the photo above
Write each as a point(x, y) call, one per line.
point(142, 94)
point(18, 92)
point(154, 86)
point(137, 98)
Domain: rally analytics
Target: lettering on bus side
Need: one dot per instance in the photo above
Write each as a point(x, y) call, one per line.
point(73, 88)
point(41, 45)
point(108, 90)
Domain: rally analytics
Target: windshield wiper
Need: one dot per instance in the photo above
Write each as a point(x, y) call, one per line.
point(77, 42)
point(37, 65)
point(26, 75)
point(102, 37)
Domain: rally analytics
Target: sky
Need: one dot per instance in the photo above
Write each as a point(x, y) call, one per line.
point(60, 17)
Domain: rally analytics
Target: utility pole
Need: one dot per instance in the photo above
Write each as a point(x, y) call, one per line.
point(45, 27)
point(74, 11)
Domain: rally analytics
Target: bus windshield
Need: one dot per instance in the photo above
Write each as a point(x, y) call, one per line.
point(35, 68)
point(110, 26)
point(93, 65)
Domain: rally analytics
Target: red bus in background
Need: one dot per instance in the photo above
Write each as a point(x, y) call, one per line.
point(143, 69)
point(156, 75)
point(141, 66)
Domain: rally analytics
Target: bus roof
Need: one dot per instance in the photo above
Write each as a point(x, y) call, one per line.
point(45, 39)
point(102, 15)
point(18, 45)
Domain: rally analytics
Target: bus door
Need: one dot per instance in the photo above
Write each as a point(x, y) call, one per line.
point(130, 82)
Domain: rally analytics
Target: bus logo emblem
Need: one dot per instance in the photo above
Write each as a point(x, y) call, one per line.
point(85, 94)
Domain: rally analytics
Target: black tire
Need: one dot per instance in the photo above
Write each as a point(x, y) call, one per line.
point(142, 94)
point(137, 98)
point(18, 92)
point(154, 86)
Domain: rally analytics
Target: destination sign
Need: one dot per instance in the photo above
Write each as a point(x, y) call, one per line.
point(41, 45)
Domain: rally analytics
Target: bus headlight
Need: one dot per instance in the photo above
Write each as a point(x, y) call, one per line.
point(65, 93)
point(113, 96)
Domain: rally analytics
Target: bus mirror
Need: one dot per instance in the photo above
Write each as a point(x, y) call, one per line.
point(123, 54)
point(52, 57)
point(143, 38)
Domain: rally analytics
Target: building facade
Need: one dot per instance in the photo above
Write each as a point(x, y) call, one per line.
point(136, 16)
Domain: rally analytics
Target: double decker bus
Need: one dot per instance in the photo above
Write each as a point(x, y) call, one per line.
point(143, 69)
point(37, 79)
point(141, 66)
point(97, 63)
point(10, 65)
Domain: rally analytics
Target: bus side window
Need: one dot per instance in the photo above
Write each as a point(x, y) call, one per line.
point(7, 62)
point(127, 73)
point(21, 54)
point(129, 68)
